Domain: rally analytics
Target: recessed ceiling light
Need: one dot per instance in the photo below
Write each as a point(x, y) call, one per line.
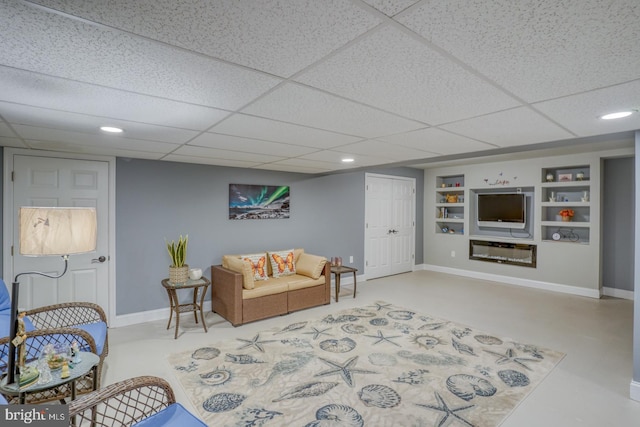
point(110, 129)
point(618, 115)
point(347, 160)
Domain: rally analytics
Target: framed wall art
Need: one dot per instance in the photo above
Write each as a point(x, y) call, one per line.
point(258, 201)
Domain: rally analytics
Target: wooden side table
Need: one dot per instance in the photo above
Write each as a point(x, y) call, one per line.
point(338, 270)
point(195, 306)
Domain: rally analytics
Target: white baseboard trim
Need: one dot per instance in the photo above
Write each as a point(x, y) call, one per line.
point(556, 287)
point(617, 293)
point(634, 390)
point(146, 316)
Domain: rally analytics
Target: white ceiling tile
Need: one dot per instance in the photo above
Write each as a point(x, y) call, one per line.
point(190, 151)
point(581, 113)
point(308, 107)
point(335, 159)
point(277, 36)
point(437, 141)
point(247, 145)
point(97, 140)
point(519, 126)
point(394, 71)
point(34, 116)
point(537, 49)
point(21, 87)
point(4, 128)
point(99, 54)
point(211, 161)
point(311, 167)
point(391, 7)
point(260, 128)
point(383, 150)
point(6, 141)
point(94, 150)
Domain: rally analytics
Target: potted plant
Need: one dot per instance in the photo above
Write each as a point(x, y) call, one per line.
point(567, 214)
point(178, 270)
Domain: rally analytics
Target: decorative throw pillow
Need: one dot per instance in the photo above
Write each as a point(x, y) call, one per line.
point(282, 263)
point(244, 267)
point(310, 265)
point(258, 265)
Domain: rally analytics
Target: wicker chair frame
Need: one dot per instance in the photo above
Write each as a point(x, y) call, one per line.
point(56, 324)
point(123, 403)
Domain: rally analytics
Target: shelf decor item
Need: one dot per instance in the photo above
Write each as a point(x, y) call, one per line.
point(550, 177)
point(178, 270)
point(580, 176)
point(566, 214)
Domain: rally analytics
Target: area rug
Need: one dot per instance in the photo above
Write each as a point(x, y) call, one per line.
point(379, 365)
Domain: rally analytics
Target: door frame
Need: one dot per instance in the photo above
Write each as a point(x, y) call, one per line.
point(368, 175)
point(8, 216)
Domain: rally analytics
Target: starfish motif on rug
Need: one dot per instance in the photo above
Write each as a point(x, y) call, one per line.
point(382, 338)
point(510, 356)
point(345, 370)
point(447, 412)
point(255, 343)
point(381, 306)
point(316, 333)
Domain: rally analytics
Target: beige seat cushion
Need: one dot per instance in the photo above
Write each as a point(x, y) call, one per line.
point(310, 265)
point(300, 282)
point(266, 287)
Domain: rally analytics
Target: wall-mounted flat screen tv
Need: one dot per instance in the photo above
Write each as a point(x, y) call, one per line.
point(502, 210)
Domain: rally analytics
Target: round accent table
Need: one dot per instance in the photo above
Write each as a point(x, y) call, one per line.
point(199, 285)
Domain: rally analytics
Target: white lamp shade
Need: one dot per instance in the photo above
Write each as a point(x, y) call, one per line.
point(57, 231)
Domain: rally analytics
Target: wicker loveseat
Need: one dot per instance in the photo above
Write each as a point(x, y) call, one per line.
point(239, 297)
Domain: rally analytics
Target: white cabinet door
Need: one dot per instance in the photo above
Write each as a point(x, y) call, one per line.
point(59, 182)
point(389, 225)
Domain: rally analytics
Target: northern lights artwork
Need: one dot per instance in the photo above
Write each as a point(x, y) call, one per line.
point(258, 201)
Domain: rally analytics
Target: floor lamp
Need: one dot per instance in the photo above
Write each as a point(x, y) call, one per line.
point(44, 232)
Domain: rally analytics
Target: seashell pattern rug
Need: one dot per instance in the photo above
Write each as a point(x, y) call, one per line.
point(378, 365)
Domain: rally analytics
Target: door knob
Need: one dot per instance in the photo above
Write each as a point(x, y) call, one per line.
point(101, 258)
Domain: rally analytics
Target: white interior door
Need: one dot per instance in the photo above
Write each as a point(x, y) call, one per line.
point(59, 182)
point(389, 225)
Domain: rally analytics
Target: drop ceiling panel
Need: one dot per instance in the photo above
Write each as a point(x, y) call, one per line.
point(5, 130)
point(247, 145)
point(21, 87)
point(6, 141)
point(335, 158)
point(437, 141)
point(383, 150)
point(398, 73)
point(260, 128)
point(99, 54)
point(211, 161)
point(391, 7)
point(580, 113)
point(102, 140)
point(308, 107)
point(191, 151)
point(276, 36)
point(21, 114)
point(537, 50)
point(96, 150)
point(298, 166)
point(519, 126)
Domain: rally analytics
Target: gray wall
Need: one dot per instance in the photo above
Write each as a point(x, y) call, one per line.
point(618, 224)
point(636, 295)
point(157, 200)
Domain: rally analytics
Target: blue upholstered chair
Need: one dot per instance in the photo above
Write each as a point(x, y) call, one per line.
point(142, 401)
point(82, 322)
